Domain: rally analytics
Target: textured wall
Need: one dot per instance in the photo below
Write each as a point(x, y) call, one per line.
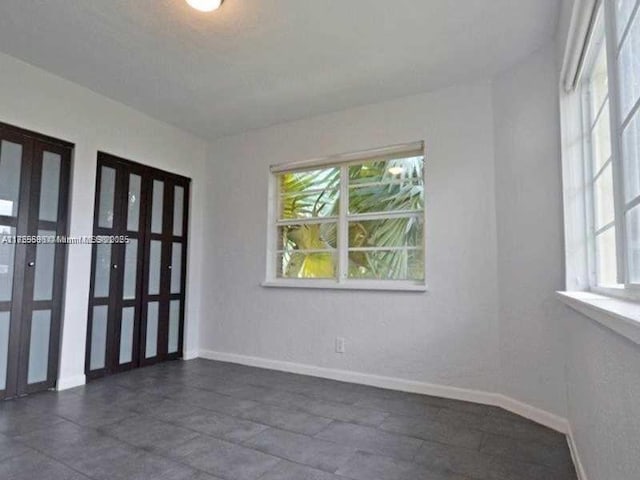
point(446, 336)
point(530, 240)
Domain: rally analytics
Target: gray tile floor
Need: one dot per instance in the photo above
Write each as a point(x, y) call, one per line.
point(201, 420)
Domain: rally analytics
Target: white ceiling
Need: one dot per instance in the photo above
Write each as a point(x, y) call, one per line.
point(259, 62)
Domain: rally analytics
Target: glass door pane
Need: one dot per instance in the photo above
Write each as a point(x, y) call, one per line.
point(7, 251)
point(176, 267)
point(107, 193)
point(10, 166)
point(174, 326)
point(155, 259)
point(151, 349)
point(45, 262)
point(133, 203)
point(39, 346)
point(178, 209)
point(5, 320)
point(126, 335)
point(50, 186)
point(98, 337)
point(157, 206)
point(130, 270)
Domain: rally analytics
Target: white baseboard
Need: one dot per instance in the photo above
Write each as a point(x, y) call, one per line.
point(537, 415)
point(190, 354)
point(66, 383)
point(573, 448)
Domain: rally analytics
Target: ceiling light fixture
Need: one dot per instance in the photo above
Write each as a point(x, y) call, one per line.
point(205, 5)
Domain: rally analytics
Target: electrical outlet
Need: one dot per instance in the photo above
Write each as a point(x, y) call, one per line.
point(340, 348)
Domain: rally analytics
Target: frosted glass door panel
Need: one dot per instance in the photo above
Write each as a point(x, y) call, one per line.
point(50, 186)
point(45, 261)
point(178, 209)
point(130, 269)
point(174, 325)
point(10, 166)
point(157, 206)
point(5, 319)
point(39, 346)
point(126, 335)
point(176, 267)
point(7, 251)
point(102, 271)
point(98, 337)
point(107, 191)
point(155, 251)
point(133, 209)
point(151, 347)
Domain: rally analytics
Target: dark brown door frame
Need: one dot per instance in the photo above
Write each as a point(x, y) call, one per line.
point(123, 169)
point(27, 223)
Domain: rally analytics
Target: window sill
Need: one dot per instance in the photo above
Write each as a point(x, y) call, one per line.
point(389, 286)
point(621, 316)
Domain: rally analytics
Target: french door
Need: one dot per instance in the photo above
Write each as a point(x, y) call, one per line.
point(34, 188)
point(137, 291)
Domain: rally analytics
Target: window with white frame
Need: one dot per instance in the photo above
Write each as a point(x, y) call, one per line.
point(610, 89)
point(355, 220)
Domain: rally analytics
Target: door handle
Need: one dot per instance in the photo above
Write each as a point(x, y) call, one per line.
point(114, 266)
point(169, 267)
point(31, 264)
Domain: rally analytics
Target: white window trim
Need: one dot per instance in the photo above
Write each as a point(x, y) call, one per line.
point(617, 307)
point(572, 73)
point(341, 282)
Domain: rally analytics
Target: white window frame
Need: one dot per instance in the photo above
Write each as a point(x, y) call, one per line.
point(341, 282)
point(624, 288)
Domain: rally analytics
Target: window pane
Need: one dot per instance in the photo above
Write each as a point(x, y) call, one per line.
point(633, 244)
point(297, 264)
point(599, 79)
point(308, 236)
point(49, 186)
point(309, 194)
point(385, 171)
point(601, 140)
point(399, 264)
point(603, 198)
point(623, 12)
point(631, 158)
point(606, 257)
point(385, 186)
point(309, 205)
point(630, 68)
point(391, 232)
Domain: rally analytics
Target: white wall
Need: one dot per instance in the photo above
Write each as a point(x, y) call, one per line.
point(33, 99)
point(530, 240)
point(447, 336)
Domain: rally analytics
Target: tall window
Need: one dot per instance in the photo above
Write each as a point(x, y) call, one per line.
point(353, 221)
point(610, 85)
